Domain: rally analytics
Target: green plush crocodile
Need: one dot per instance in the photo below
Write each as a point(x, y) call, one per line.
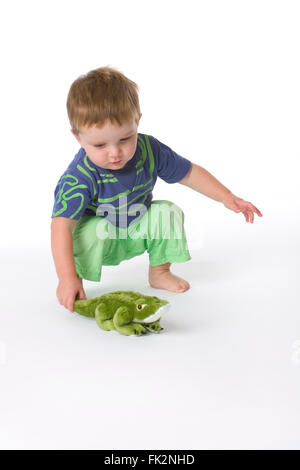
point(128, 312)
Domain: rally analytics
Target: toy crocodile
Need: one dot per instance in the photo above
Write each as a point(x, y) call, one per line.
point(128, 312)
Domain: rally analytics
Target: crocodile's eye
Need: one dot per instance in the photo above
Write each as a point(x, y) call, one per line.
point(140, 306)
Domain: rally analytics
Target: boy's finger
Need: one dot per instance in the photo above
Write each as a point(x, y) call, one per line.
point(70, 305)
point(82, 295)
point(257, 211)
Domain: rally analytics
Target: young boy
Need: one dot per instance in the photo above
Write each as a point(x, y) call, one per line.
point(103, 210)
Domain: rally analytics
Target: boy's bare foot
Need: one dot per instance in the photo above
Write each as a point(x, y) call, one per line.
point(160, 277)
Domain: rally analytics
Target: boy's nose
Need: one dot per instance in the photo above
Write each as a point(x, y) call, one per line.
point(114, 154)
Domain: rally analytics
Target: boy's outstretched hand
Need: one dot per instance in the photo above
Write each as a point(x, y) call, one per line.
point(237, 204)
point(69, 290)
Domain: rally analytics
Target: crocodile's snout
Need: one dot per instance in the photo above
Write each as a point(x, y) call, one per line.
point(157, 315)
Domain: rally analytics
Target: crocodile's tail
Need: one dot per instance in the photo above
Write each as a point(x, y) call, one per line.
point(86, 307)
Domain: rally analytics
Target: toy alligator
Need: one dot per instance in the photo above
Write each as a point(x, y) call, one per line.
point(128, 312)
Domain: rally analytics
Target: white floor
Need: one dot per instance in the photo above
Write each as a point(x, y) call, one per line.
point(224, 373)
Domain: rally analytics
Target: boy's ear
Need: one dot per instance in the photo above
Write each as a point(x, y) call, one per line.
point(76, 136)
point(138, 118)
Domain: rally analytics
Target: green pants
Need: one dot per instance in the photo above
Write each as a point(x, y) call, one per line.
point(160, 231)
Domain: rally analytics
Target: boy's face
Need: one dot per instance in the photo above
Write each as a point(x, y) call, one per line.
point(110, 147)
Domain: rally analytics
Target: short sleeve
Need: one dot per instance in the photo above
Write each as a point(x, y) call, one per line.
point(170, 166)
point(71, 197)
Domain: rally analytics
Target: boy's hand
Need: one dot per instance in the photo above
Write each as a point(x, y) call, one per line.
point(237, 204)
point(67, 291)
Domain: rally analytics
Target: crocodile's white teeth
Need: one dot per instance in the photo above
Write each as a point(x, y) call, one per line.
point(156, 316)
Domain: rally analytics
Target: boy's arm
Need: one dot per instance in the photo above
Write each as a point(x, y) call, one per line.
point(62, 247)
point(69, 285)
point(205, 183)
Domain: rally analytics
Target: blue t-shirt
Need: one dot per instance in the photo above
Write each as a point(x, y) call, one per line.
point(119, 195)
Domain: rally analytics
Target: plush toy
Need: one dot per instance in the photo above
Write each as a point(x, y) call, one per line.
point(128, 312)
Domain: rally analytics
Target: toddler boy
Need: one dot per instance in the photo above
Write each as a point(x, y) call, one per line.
point(103, 210)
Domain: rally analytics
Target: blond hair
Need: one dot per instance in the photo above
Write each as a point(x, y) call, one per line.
point(100, 95)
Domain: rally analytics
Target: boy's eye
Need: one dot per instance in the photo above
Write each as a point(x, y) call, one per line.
point(122, 140)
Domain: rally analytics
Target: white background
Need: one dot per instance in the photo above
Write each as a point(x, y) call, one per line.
point(219, 83)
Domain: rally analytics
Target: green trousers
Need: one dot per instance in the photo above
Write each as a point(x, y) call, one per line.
point(160, 232)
